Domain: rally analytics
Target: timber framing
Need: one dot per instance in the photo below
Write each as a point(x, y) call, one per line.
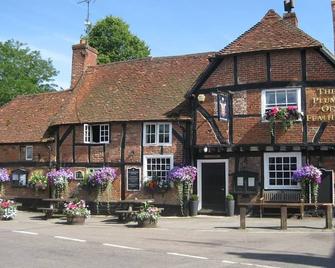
point(213, 124)
point(320, 132)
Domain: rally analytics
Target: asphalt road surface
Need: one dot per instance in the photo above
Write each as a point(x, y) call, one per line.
point(29, 241)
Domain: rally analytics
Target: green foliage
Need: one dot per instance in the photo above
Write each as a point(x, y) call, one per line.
point(194, 197)
point(114, 41)
point(38, 180)
point(23, 71)
point(229, 197)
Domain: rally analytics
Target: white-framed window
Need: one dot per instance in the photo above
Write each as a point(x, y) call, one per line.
point(157, 134)
point(79, 175)
point(96, 133)
point(20, 178)
point(157, 166)
point(279, 168)
point(281, 98)
point(29, 152)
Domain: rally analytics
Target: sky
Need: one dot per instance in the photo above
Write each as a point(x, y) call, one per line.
point(169, 27)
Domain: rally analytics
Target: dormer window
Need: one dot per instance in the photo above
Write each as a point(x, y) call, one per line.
point(96, 133)
point(157, 134)
point(281, 98)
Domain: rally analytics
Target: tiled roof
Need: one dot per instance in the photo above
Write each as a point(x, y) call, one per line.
point(271, 33)
point(27, 118)
point(136, 90)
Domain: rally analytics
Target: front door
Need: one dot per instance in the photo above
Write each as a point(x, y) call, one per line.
point(326, 188)
point(213, 184)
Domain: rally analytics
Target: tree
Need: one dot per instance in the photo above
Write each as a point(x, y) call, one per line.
point(114, 41)
point(23, 71)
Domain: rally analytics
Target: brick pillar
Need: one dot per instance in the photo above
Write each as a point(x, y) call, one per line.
point(291, 17)
point(82, 56)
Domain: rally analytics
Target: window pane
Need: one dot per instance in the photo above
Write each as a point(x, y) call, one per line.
point(292, 97)
point(270, 98)
point(281, 97)
point(159, 167)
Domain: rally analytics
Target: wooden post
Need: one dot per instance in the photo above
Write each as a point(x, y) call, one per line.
point(329, 217)
point(283, 217)
point(243, 212)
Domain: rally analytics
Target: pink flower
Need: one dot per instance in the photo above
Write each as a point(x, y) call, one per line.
point(292, 108)
point(274, 111)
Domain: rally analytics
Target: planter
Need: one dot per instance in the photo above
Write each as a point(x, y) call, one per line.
point(76, 220)
point(194, 208)
point(231, 207)
point(147, 224)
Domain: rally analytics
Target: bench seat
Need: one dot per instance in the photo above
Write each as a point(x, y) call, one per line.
point(48, 212)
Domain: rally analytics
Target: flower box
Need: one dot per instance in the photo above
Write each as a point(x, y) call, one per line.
point(75, 220)
point(76, 212)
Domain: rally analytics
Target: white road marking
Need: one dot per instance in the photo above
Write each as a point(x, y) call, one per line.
point(265, 266)
point(25, 232)
point(187, 256)
point(213, 231)
point(246, 264)
point(69, 238)
point(229, 262)
point(119, 246)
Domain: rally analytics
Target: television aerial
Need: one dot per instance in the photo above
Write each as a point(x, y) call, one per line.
point(87, 23)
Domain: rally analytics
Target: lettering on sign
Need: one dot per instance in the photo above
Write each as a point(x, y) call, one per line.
point(133, 179)
point(325, 104)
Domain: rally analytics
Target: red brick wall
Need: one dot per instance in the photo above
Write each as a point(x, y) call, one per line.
point(286, 65)
point(223, 75)
point(317, 67)
point(251, 68)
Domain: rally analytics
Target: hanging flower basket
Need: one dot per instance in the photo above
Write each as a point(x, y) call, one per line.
point(59, 179)
point(286, 116)
point(183, 177)
point(4, 177)
point(38, 181)
point(309, 178)
point(102, 177)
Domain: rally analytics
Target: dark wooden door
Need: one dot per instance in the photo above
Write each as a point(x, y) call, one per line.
point(326, 188)
point(213, 185)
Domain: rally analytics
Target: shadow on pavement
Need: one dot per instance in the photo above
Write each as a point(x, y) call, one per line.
point(309, 260)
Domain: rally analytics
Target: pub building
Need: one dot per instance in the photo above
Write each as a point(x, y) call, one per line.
point(211, 110)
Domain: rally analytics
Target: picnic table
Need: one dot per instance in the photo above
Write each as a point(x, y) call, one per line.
point(55, 205)
point(328, 207)
point(129, 208)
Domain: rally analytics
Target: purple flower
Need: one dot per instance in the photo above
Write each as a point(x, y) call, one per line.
point(183, 174)
point(308, 173)
point(102, 177)
point(4, 177)
point(59, 178)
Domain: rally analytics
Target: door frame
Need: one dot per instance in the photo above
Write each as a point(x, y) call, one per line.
point(199, 179)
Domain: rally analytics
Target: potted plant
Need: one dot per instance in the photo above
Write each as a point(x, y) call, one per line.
point(102, 178)
point(76, 212)
point(38, 181)
point(148, 216)
point(4, 177)
point(183, 177)
point(309, 178)
point(230, 205)
point(194, 202)
point(7, 209)
point(59, 179)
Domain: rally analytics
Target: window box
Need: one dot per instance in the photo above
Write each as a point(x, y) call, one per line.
point(96, 133)
point(278, 170)
point(157, 134)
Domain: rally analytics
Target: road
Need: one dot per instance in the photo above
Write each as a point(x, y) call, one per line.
point(29, 241)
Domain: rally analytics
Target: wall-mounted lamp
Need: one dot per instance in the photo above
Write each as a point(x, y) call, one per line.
point(201, 97)
point(205, 149)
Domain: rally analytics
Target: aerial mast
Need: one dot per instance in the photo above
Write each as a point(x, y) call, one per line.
point(87, 23)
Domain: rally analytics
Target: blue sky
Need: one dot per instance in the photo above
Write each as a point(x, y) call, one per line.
point(169, 27)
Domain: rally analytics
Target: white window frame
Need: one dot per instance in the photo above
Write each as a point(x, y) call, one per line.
point(32, 152)
point(145, 162)
point(263, 98)
point(88, 133)
point(267, 185)
point(157, 143)
point(82, 173)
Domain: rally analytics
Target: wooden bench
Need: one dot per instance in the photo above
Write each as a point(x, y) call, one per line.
point(283, 212)
point(48, 212)
point(126, 215)
point(280, 196)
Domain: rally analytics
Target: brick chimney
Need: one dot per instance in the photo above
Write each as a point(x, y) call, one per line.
point(291, 17)
point(82, 56)
point(333, 10)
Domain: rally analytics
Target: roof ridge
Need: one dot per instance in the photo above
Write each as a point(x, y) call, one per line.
point(153, 58)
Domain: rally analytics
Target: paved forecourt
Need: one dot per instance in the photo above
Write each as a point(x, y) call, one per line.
point(178, 242)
